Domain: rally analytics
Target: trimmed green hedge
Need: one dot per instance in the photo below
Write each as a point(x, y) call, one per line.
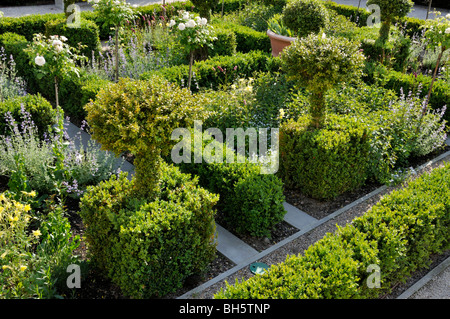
point(324, 163)
point(398, 234)
point(209, 75)
point(148, 249)
point(41, 111)
point(250, 202)
point(87, 34)
point(247, 39)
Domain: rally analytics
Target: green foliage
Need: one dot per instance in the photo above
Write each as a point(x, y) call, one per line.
point(389, 11)
point(276, 25)
point(14, 45)
point(149, 248)
point(148, 112)
point(204, 7)
point(319, 63)
point(352, 13)
point(207, 74)
point(192, 32)
point(324, 163)
point(305, 17)
point(398, 234)
point(247, 39)
point(41, 111)
point(28, 25)
point(260, 199)
point(36, 251)
point(87, 34)
point(225, 44)
point(415, 83)
point(256, 15)
point(250, 202)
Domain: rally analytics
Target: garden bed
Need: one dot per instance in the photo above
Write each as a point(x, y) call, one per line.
point(236, 99)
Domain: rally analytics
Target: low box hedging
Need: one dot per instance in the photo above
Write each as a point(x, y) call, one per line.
point(28, 25)
point(208, 73)
point(146, 248)
point(87, 33)
point(247, 39)
point(41, 111)
point(225, 43)
point(250, 202)
point(327, 162)
point(398, 234)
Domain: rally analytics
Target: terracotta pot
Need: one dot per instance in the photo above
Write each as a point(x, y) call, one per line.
point(279, 42)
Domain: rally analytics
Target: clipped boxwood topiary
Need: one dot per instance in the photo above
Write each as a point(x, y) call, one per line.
point(148, 248)
point(139, 116)
point(305, 17)
point(390, 10)
point(319, 63)
point(327, 162)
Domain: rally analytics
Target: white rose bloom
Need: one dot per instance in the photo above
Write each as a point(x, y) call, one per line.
point(448, 16)
point(186, 16)
point(190, 24)
point(172, 23)
point(56, 43)
point(39, 60)
point(63, 38)
point(181, 26)
point(204, 21)
point(447, 31)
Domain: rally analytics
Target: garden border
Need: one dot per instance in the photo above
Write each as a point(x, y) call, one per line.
point(309, 228)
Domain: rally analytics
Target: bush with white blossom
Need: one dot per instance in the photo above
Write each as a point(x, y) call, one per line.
point(52, 56)
point(193, 32)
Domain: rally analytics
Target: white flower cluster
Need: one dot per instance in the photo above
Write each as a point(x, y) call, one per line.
point(57, 44)
point(188, 21)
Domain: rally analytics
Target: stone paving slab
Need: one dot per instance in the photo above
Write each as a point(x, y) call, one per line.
point(232, 247)
point(296, 217)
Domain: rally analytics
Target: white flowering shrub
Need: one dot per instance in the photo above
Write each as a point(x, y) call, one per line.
point(53, 57)
point(192, 31)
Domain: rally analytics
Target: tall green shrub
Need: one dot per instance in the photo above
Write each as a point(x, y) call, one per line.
point(319, 63)
point(390, 10)
point(139, 116)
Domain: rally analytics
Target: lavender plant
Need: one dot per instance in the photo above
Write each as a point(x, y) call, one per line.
point(10, 84)
point(56, 165)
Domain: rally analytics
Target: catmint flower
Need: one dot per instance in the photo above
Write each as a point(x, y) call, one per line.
point(39, 60)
